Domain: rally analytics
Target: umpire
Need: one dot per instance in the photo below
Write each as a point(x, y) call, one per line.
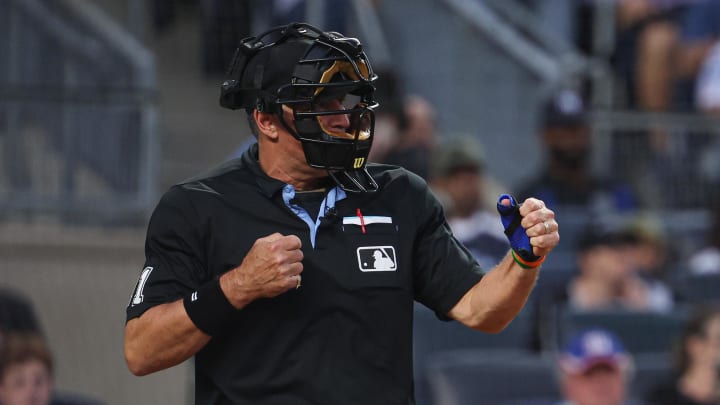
point(290, 272)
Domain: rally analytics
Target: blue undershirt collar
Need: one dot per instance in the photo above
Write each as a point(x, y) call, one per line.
point(334, 195)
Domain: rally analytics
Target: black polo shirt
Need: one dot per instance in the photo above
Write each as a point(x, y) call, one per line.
point(344, 337)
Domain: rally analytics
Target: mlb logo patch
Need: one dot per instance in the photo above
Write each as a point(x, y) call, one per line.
point(377, 258)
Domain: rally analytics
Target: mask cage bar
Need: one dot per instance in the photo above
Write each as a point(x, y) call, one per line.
point(362, 111)
point(370, 187)
point(233, 96)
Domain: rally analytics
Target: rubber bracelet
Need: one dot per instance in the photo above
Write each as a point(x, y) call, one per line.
point(209, 308)
point(525, 264)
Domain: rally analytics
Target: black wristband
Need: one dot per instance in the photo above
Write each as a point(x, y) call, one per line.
point(209, 308)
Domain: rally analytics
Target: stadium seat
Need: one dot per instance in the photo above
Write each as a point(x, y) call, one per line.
point(651, 369)
point(641, 332)
point(697, 288)
point(559, 268)
point(471, 377)
point(67, 398)
point(430, 336)
point(511, 378)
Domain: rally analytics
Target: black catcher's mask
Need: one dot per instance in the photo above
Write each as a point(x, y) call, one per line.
point(316, 75)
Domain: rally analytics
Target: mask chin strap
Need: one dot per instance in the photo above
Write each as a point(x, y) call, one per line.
point(352, 181)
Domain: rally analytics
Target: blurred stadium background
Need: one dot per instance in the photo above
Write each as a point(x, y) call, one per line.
point(106, 103)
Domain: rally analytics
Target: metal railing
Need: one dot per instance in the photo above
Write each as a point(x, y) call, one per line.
point(662, 154)
point(533, 57)
point(518, 33)
point(78, 119)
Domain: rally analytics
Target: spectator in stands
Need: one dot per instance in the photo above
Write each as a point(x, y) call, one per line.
point(458, 179)
point(646, 44)
point(26, 370)
point(700, 33)
point(644, 59)
point(646, 247)
point(698, 71)
point(697, 363)
point(707, 88)
point(595, 369)
point(567, 181)
point(606, 279)
point(707, 259)
point(416, 142)
point(707, 98)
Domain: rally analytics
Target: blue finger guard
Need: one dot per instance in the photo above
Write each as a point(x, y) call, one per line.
point(510, 217)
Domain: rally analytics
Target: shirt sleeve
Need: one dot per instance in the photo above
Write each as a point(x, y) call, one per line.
point(173, 255)
point(444, 270)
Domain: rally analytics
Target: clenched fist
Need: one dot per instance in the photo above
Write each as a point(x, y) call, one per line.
point(540, 226)
point(271, 267)
point(530, 227)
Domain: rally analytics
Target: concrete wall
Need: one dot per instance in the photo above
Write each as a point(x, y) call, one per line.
point(475, 87)
point(80, 281)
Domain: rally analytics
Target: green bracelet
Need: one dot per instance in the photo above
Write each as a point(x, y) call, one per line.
point(527, 265)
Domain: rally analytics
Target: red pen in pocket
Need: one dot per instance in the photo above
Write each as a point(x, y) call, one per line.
point(362, 221)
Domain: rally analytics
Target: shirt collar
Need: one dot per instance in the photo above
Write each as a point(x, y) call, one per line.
point(269, 186)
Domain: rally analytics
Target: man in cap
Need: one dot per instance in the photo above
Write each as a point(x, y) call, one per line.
point(567, 180)
point(458, 179)
point(594, 369)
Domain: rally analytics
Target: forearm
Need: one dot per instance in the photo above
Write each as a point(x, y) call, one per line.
point(497, 298)
point(169, 334)
point(162, 337)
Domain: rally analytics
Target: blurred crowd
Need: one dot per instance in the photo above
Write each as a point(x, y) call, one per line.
point(616, 251)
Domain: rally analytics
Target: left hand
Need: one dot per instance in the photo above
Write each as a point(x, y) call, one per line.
point(540, 226)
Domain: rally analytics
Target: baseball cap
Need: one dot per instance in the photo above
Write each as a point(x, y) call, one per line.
point(564, 109)
point(456, 154)
point(592, 347)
